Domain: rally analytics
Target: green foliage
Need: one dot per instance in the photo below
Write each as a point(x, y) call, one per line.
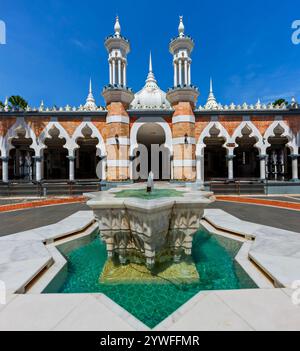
point(17, 102)
point(1, 104)
point(279, 102)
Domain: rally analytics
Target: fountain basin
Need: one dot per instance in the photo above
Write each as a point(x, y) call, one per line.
point(137, 229)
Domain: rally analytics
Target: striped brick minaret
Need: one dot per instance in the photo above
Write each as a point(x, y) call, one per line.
point(117, 141)
point(184, 146)
point(183, 97)
point(118, 98)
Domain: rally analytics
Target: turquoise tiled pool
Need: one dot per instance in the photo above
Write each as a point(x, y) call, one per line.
point(152, 303)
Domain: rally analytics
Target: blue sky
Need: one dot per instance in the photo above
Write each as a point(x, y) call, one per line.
point(53, 47)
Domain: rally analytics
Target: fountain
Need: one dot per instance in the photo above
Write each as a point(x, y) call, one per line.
point(143, 225)
point(150, 182)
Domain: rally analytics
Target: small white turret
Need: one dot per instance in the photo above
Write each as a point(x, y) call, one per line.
point(117, 27)
point(211, 103)
point(181, 27)
point(6, 107)
point(90, 104)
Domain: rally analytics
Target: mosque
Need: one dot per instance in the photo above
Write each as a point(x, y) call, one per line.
point(203, 143)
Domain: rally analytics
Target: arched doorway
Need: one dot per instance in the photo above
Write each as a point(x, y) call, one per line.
point(214, 156)
point(153, 137)
point(86, 155)
point(246, 161)
point(21, 161)
point(279, 163)
point(56, 165)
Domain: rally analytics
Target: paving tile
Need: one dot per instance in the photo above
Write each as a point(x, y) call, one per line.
point(92, 315)
point(263, 309)
point(210, 313)
point(38, 312)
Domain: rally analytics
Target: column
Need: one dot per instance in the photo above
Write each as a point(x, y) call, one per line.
point(189, 74)
point(119, 72)
point(185, 72)
point(113, 71)
point(71, 168)
point(124, 74)
point(38, 168)
point(4, 169)
point(110, 72)
point(262, 163)
point(175, 74)
point(230, 166)
point(295, 168)
point(180, 72)
point(200, 168)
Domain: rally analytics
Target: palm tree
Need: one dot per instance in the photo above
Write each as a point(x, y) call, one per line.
point(1, 104)
point(279, 102)
point(18, 102)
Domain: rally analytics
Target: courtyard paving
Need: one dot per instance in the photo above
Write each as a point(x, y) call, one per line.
point(17, 221)
point(255, 309)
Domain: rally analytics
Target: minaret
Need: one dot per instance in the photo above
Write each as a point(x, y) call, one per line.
point(90, 104)
point(181, 48)
point(118, 47)
point(118, 98)
point(183, 97)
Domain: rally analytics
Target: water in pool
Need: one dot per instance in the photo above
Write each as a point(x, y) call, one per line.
point(152, 303)
point(154, 194)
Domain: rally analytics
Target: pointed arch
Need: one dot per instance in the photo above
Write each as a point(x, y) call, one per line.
point(95, 134)
point(261, 144)
point(206, 133)
point(287, 132)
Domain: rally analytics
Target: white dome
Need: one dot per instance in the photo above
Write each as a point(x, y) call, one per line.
point(151, 96)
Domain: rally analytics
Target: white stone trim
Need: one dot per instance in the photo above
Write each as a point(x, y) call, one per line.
point(122, 141)
point(184, 163)
point(184, 118)
point(181, 140)
point(117, 163)
point(117, 119)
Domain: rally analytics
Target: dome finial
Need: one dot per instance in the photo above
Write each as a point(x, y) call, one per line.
point(90, 87)
point(181, 27)
point(117, 27)
point(150, 62)
point(151, 78)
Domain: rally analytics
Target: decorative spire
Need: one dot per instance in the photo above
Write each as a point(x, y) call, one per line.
point(90, 101)
point(181, 27)
point(91, 88)
point(151, 78)
point(117, 27)
point(294, 103)
point(41, 108)
point(150, 62)
point(211, 103)
point(6, 107)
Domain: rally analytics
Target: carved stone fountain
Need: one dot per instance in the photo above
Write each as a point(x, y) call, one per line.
point(149, 226)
